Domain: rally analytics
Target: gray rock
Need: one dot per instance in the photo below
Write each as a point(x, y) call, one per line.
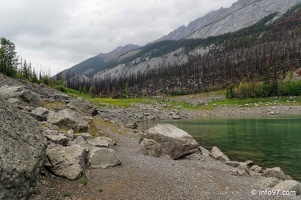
point(289, 185)
point(233, 163)
point(81, 105)
point(101, 142)
point(40, 113)
point(132, 125)
point(25, 96)
point(22, 153)
point(218, 154)
point(67, 161)
point(276, 172)
point(166, 139)
point(176, 117)
point(14, 101)
point(204, 151)
point(61, 97)
point(68, 119)
point(103, 158)
point(86, 136)
point(69, 134)
point(268, 182)
point(242, 171)
point(256, 168)
point(151, 147)
point(58, 139)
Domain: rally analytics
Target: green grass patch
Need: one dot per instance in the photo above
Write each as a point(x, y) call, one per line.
point(83, 181)
point(66, 194)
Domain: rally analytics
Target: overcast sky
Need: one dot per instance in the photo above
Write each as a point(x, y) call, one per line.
point(57, 34)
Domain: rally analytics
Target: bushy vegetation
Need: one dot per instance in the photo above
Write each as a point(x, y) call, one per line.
point(263, 89)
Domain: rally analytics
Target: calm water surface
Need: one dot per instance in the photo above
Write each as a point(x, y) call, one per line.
point(269, 141)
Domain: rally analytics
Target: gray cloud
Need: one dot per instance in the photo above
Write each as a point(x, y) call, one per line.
point(57, 34)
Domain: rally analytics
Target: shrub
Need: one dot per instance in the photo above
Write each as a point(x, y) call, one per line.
point(61, 88)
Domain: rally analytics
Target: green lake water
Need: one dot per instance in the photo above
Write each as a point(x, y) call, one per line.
point(272, 141)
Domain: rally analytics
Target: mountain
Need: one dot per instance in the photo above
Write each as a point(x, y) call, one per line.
point(173, 49)
point(191, 61)
point(241, 14)
point(99, 62)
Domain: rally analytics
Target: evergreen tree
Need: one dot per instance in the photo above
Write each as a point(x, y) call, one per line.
point(8, 58)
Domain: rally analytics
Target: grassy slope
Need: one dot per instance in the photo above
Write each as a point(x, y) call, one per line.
point(185, 102)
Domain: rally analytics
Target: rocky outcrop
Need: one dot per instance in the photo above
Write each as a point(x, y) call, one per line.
point(167, 139)
point(67, 162)
point(21, 96)
point(22, 153)
point(81, 105)
point(230, 19)
point(67, 118)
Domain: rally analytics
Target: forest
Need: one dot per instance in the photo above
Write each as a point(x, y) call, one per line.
point(251, 62)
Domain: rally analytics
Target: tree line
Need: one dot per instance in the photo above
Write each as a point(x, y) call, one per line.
point(250, 63)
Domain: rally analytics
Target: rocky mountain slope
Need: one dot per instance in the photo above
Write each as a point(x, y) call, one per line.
point(195, 65)
point(99, 62)
point(241, 14)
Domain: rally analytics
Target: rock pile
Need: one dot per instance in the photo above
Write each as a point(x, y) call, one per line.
point(25, 148)
point(273, 178)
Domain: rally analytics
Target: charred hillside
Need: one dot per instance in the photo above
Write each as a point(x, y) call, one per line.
point(265, 51)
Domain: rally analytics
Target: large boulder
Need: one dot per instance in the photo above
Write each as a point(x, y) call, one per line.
point(167, 139)
point(67, 162)
point(68, 119)
point(81, 105)
point(103, 158)
point(22, 153)
point(22, 94)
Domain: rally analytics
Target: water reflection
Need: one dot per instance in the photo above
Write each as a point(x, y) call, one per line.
point(268, 141)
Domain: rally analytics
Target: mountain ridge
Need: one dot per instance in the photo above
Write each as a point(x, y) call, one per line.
point(202, 26)
point(150, 57)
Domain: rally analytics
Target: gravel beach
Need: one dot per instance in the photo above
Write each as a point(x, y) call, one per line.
point(144, 177)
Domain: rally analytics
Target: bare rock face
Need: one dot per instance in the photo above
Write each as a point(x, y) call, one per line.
point(21, 95)
point(22, 153)
point(67, 161)
point(167, 139)
point(67, 118)
point(240, 15)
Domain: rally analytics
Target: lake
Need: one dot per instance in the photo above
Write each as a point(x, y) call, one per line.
point(270, 141)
